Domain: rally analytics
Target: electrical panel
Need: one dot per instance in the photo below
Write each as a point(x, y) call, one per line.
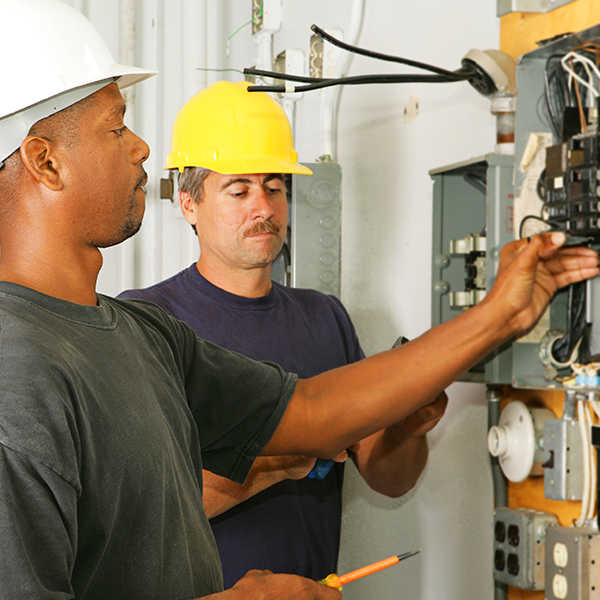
point(472, 220)
point(310, 257)
point(519, 546)
point(551, 182)
point(572, 559)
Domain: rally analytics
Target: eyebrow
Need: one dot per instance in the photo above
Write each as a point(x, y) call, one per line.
point(118, 111)
point(268, 178)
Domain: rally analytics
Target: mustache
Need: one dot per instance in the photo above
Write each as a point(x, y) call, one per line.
point(262, 227)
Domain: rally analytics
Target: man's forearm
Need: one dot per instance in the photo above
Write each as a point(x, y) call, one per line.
point(391, 462)
point(220, 494)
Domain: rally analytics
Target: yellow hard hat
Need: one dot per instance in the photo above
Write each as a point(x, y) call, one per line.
point(229, 130)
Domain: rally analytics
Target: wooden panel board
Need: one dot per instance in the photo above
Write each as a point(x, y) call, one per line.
point(519, 32)
point(530, 493)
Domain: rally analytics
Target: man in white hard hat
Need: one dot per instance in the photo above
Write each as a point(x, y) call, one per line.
point(110, 408)
point(232, 149)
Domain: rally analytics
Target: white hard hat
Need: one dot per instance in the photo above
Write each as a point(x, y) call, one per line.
point(52, 57)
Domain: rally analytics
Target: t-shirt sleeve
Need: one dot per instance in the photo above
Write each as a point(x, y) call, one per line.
point(38, 529)
point(237, 404)
point(354, 350)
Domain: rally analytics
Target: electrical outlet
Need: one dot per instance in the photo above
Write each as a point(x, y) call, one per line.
point(266, 16)
point(519, 542)
point(572, 559)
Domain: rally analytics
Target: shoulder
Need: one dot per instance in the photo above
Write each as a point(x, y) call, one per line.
point(163, 293)
point(312, 299)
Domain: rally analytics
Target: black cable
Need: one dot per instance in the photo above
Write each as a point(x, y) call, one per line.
point(359, 80)
point(563, 348)
point(551, 226)
point(284, 76)
point(386, 57)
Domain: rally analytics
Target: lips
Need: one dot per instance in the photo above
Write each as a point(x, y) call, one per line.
point(142, 182)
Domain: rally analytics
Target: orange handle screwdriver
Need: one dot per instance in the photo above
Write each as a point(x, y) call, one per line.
point(336, 581)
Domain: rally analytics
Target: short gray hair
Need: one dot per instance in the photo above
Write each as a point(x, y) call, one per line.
point(191, 180)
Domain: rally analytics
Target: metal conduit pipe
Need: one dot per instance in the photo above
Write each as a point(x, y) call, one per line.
point(494, 398)
point(330, 102)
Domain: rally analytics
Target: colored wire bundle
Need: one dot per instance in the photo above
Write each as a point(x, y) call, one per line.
point(571, 80)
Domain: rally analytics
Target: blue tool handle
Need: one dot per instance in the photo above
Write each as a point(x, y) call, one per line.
point(321, 468)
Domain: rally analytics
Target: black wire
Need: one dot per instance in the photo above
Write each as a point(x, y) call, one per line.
point(563, 348)
point(284, 76)
point(551, 226)
point(386, 57)
point(359, 80)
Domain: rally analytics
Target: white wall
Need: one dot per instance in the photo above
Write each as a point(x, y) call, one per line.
point(387, 199)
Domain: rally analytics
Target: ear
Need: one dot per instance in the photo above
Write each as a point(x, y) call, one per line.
point(41, 162)
point(188, 208)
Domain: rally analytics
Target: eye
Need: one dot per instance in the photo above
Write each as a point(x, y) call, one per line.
point(273, 191)
point(120, 131)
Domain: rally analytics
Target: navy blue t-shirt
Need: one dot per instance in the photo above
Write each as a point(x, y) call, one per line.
point(293, 526)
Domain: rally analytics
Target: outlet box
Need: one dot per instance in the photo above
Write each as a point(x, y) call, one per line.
point(563, 470)
point(519, 543)
point(572, 563)
point(324, 55)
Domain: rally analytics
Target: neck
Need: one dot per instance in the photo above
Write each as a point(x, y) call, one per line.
point(61, 274)
point(250, 283)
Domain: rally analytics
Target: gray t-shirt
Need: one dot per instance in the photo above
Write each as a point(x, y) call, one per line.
point(107, 414)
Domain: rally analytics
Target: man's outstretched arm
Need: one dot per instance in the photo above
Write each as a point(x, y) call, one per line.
point(391, 461)
point(333, 410)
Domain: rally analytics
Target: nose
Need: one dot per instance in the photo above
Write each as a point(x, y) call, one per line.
point(261, 207)
point(140, 151)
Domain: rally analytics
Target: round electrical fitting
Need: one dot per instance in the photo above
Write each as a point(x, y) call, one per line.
point(545, 350)
point(517, 439)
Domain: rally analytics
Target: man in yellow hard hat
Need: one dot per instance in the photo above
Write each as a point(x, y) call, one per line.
point(232, 149)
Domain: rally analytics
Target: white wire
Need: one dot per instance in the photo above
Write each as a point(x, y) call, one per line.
point(585, 496)
point(587, 63)
point(590, 422)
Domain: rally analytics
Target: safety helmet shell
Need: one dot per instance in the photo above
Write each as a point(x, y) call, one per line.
point(52, 58)
point(229, 130)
